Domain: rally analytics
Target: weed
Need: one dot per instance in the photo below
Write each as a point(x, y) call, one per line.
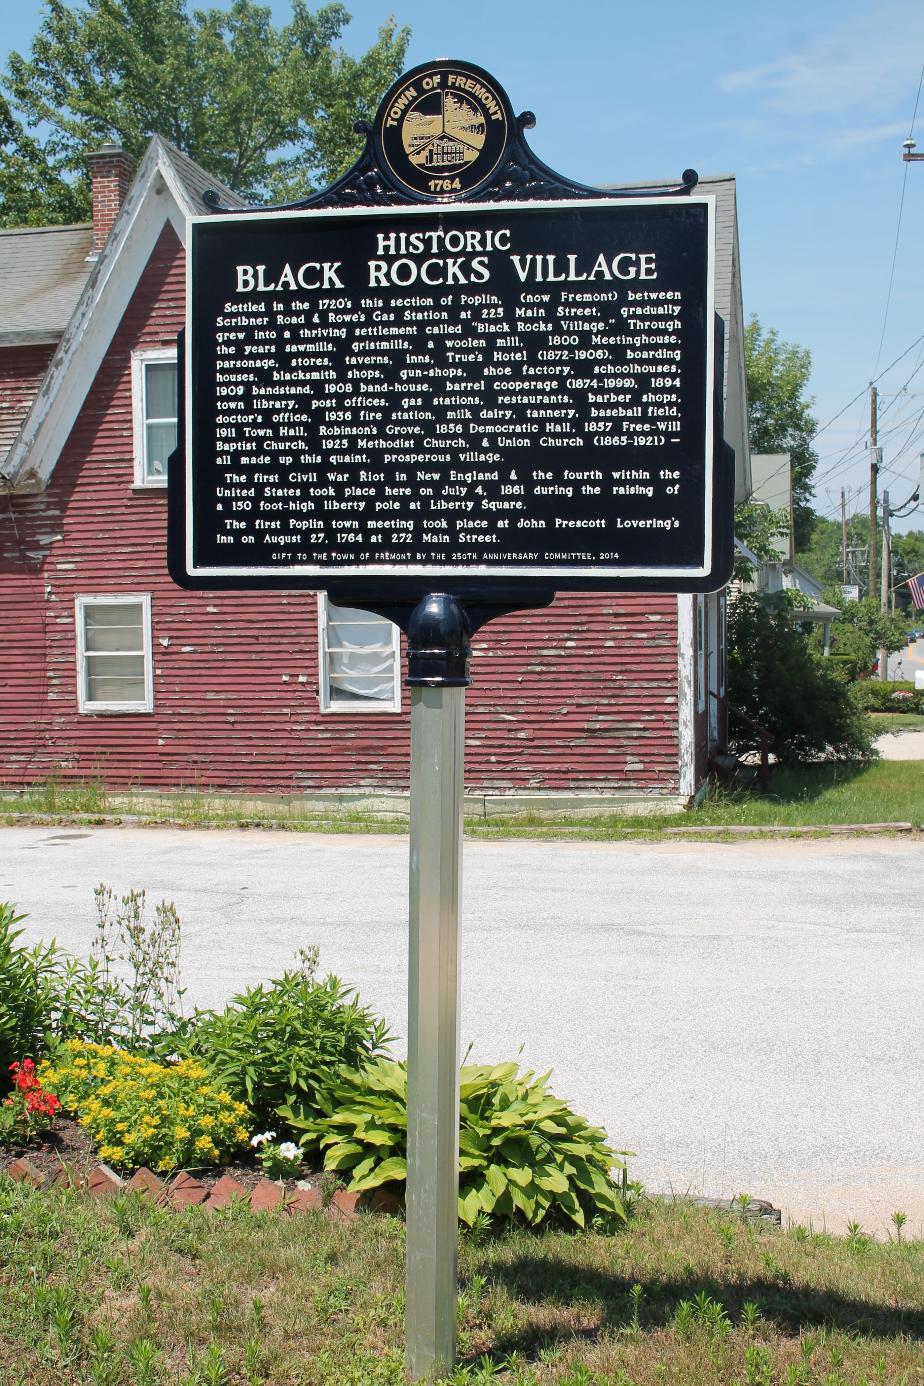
point(758, 1370)
point(750, 1316)
point(144, 1358)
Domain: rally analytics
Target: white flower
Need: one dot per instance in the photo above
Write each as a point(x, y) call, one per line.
point(290, 1151)
point(262, 1139)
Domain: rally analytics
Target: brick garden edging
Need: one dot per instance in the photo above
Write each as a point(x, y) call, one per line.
point(183, 1191)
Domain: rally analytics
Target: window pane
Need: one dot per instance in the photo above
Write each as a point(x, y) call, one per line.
point(115, 679)
point(160, 390)
point(360, 656)
point(115, 627)
point(161, 441)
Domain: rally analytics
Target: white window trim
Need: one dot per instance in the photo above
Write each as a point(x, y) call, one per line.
point(700, 645)
point(114, 599)
point(140, 359)
point(373, 706)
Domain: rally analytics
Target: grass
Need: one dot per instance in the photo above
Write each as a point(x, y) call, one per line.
point(896, 722)
point(124, 1294)
point(831, 794)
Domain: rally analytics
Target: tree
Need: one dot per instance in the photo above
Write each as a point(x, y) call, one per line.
point(863, 629)
point(779, 418)
point(31, 194)
point(777, 682)
point(756, 526)
point(269, 111)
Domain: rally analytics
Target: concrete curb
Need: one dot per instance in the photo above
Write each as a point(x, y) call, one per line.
point(101, 820)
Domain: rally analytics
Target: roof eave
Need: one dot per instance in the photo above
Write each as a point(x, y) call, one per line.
point(30, 461)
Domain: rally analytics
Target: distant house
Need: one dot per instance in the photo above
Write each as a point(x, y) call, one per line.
point(771, 481)
point(110, 671)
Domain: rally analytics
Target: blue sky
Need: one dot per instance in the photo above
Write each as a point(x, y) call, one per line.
point(807, 104)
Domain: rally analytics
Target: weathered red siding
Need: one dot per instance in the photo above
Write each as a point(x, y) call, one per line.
point(21, 372)
point(582, 696)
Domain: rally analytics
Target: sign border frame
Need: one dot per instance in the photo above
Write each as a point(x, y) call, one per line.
point(571, 578)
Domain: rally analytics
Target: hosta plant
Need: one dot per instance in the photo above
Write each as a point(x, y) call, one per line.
point(524, 1155)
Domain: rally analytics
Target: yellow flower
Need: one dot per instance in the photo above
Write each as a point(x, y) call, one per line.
point(223, 1097)
point(240, 1109)
point(181, 1133)
point(240, 1134)
point(206, 1144)
point(186, 1110)
point(207, 1122)
point(226, 1118)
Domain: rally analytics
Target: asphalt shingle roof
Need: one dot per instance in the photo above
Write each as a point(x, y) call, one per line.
point(43, 271)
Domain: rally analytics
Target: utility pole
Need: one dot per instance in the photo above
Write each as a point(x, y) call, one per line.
point(885, 580)
point(843, 536)
point(874, 456)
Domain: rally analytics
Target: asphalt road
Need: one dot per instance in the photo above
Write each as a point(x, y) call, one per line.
point(907, 662)
point(746, 1017)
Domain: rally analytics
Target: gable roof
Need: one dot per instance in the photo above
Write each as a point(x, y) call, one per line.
point(45, 270)
point(728, 305)
point(167, 188)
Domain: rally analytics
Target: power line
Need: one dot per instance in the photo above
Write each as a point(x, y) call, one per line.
point(898, 231)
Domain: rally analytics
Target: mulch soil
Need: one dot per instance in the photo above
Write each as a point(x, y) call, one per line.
point(67, 1150)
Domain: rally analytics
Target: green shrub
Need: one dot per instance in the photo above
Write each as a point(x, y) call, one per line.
point(140, 1112)
point(283, 1042)
point(27, 994)
point(777, 682)
point(874, 695)
point(523, 1154)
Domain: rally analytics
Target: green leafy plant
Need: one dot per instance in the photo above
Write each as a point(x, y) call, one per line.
point(128, 994)
point(282, 1043)
point(140, 1112)
point(899, 696)
point(776, 681)
point(27, 994)
point(523, 1154)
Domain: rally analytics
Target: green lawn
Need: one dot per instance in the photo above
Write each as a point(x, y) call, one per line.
point(881, 792)
point(123, 1294)
point(896, 722)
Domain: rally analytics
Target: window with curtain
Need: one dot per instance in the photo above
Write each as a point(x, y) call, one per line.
point(359, 660)
point(114, 654)
point(155, 408)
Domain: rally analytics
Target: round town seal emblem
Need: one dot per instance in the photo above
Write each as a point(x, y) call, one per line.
point(442, 129)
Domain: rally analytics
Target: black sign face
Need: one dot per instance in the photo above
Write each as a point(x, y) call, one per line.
point(442, 130)
point(507, 391)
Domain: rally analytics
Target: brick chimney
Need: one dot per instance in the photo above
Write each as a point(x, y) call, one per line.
point(111, 173)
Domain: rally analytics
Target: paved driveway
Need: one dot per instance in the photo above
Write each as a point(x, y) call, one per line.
point(747, 1017)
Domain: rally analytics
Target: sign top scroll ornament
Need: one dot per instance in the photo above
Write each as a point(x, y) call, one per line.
point(446, 132)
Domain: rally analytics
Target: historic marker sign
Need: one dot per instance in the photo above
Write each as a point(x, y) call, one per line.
point(454, 368)
point(519, 391)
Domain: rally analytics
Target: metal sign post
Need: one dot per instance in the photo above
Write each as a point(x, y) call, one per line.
point(453, 377)
point(438, 649)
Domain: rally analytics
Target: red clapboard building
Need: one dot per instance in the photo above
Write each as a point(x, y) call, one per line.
point(111, 672)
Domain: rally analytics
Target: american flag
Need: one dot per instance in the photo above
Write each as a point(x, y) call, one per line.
point(916, 588)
